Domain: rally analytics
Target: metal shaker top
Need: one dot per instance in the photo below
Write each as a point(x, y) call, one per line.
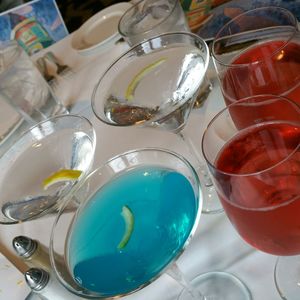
point(24, 246)
point(36, 278)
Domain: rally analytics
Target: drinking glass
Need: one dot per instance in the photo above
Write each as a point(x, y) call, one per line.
point(155, 84)
point(23, 87)
point(258, 52)
point(25, 96)
point(148, 18)
point(255, 169)
point(124, 235)
point(64, 142)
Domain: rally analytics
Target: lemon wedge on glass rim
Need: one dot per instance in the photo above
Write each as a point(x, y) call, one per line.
point(137, 78)
point(61, 176)
point(129, 224)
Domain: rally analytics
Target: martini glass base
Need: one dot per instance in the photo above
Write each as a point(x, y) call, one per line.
point(217, 286)
point(287, 277)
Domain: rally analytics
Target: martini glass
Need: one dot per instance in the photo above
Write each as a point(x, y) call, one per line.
point(255, 168)
point(124, 235)
point(155, 84)
point(64, 142)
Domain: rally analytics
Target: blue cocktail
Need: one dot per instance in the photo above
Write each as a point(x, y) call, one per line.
point(137, 214)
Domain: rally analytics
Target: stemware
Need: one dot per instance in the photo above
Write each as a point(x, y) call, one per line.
point(64, 142)
point(155, 84)
point(149, 18)
point(124, 235)
point(255, 168)
point(258, 52)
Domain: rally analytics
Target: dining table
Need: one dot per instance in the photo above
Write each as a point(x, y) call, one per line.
point(215, 246)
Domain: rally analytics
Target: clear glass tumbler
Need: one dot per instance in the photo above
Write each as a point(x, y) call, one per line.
point(23, 87)
point(148, 18)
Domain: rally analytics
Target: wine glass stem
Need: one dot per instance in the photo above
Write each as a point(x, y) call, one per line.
point(178, 276)
point(201, 167)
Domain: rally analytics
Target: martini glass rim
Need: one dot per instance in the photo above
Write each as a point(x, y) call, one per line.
point(161, 116)
point(40, 125)
point(93, 295)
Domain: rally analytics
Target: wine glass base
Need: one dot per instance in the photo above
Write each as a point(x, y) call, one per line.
point(287, 277)
point(217, 286)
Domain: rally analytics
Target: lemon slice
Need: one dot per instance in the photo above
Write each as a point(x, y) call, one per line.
point(129, 224)
point(137, 78)
point(61, 176)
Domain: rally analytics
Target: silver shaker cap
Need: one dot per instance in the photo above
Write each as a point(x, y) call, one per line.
point(24, 246)
point(36, 278)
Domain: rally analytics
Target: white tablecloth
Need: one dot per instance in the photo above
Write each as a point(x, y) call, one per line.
point(215, 246)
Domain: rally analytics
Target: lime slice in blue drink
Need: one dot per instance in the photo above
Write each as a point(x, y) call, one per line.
point(129, 224)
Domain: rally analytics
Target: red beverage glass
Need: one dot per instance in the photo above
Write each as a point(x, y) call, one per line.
point(258, 52)
point(256, 171)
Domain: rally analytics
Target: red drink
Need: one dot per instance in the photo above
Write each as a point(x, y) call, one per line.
point(263, 69)
point(269, 68)
point(262, 199)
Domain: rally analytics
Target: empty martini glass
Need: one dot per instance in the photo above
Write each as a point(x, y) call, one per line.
point(124, 235)
point(155, 84)
point(43, 165)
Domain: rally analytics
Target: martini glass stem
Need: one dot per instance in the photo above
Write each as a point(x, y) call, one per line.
point(201, 166)
point(178, 276)
point(211, 204)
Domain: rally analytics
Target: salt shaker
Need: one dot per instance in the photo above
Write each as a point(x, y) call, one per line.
point(32, 252)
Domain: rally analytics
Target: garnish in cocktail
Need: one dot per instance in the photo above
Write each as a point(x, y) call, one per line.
point(131, 229)
point(62, 175)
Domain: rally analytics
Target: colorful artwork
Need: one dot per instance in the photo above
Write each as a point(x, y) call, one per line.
point(198, 11)
point(35, 25)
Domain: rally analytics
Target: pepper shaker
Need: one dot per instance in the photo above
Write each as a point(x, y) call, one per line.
point(46, 286)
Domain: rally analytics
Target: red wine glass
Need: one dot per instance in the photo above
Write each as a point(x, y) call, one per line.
point(255, 167)
point(258, 52)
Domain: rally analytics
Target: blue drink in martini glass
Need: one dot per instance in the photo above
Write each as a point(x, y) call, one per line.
point(130, 229)
point(137, 214)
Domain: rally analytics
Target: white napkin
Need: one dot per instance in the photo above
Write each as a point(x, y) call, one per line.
point(12, 283)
